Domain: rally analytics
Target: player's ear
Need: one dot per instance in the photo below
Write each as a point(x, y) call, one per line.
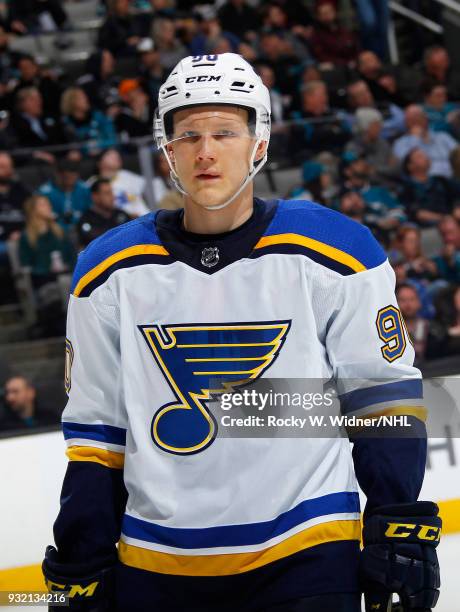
point(171, 156)
point(261, 150)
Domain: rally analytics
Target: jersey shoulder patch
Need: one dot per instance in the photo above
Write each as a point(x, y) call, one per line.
point(323, 235)
point(131, 244)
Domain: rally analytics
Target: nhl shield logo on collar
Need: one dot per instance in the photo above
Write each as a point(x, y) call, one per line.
point(210, 257)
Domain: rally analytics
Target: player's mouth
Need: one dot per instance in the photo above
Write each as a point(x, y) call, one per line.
point(207, 176)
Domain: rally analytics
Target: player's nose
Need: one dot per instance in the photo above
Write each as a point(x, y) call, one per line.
point(206, 148)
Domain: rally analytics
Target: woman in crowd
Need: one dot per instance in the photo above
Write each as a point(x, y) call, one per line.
point(83, 124)
point(47, 252)
point(408, 245)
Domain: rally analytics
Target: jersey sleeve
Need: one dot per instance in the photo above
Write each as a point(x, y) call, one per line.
point(94, 424)
point(372, 359)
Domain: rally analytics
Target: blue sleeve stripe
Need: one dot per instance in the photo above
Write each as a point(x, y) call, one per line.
point(99, 432)
point(241, 535)
point(387, 392)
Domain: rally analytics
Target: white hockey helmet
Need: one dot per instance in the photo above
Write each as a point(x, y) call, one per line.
point(214, 79)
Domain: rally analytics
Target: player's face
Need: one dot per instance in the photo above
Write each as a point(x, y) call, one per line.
point(210, 151)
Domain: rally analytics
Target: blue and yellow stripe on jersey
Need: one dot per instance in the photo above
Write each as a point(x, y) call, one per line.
point(234, 549)
point(400, 397)
point(131, 244)
point(86, 442)
point(321, 234)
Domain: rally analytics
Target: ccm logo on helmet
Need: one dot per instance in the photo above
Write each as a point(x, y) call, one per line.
point(203, 78)
point(404, 530)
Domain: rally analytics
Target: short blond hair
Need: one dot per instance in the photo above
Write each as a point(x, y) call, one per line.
point(67, 99)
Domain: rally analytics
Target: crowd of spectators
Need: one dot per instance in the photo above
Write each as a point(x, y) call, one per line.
point(379, 142)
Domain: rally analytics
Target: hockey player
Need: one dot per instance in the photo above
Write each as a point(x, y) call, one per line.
point(237, 286)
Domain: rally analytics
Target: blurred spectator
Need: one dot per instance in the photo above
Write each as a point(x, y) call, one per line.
point(443, 116)
point(448, 261)
point(82, 124)
point(384, 212)
point(26, 16)
point(68, 194)
point(46, 251)
point(426, 198)
point(409, 246)
point(99, 82)
point(278, 54)
point(170, 49)
point(102, 215)
point(23, 409)
point(352, 205)
point(135, 118)
point(360, 96)
point(128, 187)
point(277, 101)
point(299, 16)
point(399, 266)
point(122, 31)
point(373, 16)
point(31, 75)
point(8, 59)
point(381, 82)
point(238, 17)
point(331, 42)
point(30, 125)
point(41, 239)
point(151, 73)
point(446, 326)
point(318, 185)
point(210, 33)
point(276, 20)
point(455, 165)
point(369, 144)
point(437, 66)
point(13, 194)
point(417, 326)
point(437, 145)
point(324, 129)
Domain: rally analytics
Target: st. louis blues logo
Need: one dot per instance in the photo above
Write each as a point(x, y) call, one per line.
point(200, 361)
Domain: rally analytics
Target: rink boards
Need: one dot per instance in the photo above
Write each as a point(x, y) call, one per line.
point(31, 473)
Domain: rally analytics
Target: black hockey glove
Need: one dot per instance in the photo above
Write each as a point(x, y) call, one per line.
point(90, 588)
point(399, 556)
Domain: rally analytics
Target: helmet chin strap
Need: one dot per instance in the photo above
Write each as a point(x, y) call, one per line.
point(251, 174)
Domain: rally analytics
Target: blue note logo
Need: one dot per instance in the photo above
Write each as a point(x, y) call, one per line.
point(200, 361)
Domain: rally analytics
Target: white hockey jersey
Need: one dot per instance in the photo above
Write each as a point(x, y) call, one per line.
point(299, 291)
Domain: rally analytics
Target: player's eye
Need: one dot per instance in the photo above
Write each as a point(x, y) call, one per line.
point(221, 134)
point(189, 136)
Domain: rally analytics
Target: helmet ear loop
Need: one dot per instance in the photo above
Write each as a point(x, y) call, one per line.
point(172, 172)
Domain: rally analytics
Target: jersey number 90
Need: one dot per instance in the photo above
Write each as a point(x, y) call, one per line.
point(392, 330)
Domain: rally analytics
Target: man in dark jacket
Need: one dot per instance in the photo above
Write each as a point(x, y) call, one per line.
point(22, 409)
point(102, 216)
point(29, 123)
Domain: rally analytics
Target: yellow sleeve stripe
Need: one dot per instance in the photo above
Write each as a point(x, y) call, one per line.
point(417, 411)
point(138, 249)
point(236, 563)
point(315, 245)
point(96, 455)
